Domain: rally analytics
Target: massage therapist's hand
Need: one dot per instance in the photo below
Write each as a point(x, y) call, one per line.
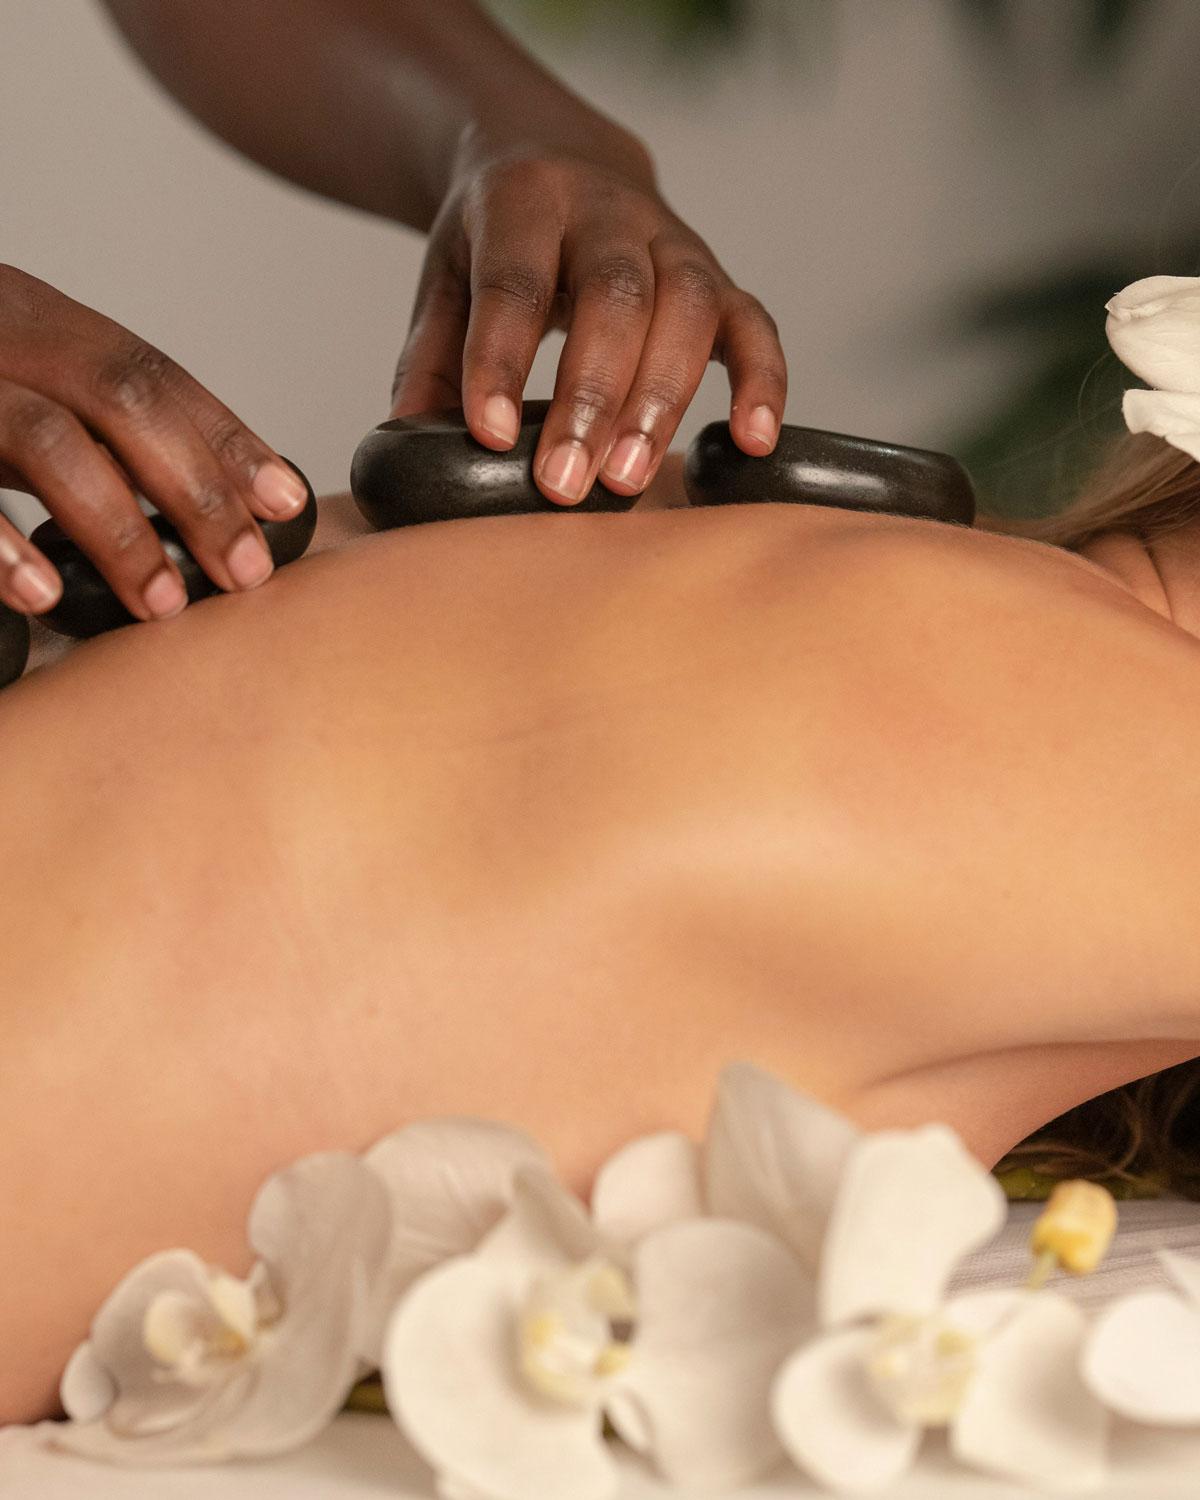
point(89, 414)
point(528, 240)
point(541, 211)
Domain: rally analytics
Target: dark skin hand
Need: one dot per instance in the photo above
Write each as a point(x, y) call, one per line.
point(88, 414)
point(528, 240)
point(540, 212)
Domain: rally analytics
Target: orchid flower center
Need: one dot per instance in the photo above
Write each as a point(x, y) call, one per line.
point(197, 1340)
point(921, 1368)
point(574, 1330)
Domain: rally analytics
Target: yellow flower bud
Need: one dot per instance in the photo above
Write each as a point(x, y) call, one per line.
point(1076, 1227)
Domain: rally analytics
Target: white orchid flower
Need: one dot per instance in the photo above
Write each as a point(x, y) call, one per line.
point(1154, 329)
point(998, 1369)
point(1143, 1356)
point(187, 1364)
point(500, 1365)
point(772, 1157)
point(1172, 415)
point(878, 1224)
point(777, 1158)
point(449, 1181)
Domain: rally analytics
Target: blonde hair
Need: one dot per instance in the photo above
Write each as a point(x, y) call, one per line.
point(1143, 1137)
point(1142, 485)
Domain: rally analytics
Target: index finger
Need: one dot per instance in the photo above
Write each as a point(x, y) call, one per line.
point(748, 345)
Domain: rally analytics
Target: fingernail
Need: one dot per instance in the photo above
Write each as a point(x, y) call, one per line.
point(33, 589)
point(566, 470)
point(164, 596)
point(248, 561)
point(762, 426)
point(279, 489)
point(628, 462)
point(501, 418)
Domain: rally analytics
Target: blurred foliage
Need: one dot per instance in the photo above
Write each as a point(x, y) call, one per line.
point(1105, 27)
point(1031, 454)
point(369, 1396)
point(678, 21)
point(1023, 1184)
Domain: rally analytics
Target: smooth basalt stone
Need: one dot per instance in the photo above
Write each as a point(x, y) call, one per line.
point(14, 645)
point(88, 605)
point(810, 467)
point(429, 468)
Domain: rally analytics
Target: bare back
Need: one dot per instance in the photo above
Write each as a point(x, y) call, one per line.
point(545, 818)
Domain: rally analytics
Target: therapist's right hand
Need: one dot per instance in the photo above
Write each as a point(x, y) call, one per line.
point(90, 416)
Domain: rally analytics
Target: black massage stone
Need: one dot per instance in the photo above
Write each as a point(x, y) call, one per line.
point(429, 468)
point(810, 467)
point(14, 645)
point(88, 605)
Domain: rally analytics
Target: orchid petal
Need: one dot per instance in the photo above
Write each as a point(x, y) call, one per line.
point(1143, 1359)
point(546, 1230)
point(1027, 1414)
point(773, 1157)
point(653, 1182)
point(910, 1205)
point(720, 1306)
point(449, 1182)
point(234, 1302)
point(832, 1423)
point(629, 1417)
point(450, 1372)
point(322, 1225)
point(326, 1208)
point(1184, 1271)
point(145, 1397)
point(306, 1371)
point(87, 1389)
point(979, 1314)
point(172, 1427)
point(1170, 415)
point(1154, 329)
point(450, 1487)
point(174, 1322)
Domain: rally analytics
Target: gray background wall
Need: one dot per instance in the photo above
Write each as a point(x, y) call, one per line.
point(861, 188)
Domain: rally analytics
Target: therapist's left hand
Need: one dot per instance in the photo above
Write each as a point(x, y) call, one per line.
point(528, 240)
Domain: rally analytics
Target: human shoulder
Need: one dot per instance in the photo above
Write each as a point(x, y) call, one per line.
point(1115, 574)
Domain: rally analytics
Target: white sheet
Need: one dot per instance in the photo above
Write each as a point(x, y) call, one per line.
point(364, 1458)
point(1160, 1224)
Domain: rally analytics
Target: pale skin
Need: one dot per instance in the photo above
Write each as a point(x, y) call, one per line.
point(546, 818)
